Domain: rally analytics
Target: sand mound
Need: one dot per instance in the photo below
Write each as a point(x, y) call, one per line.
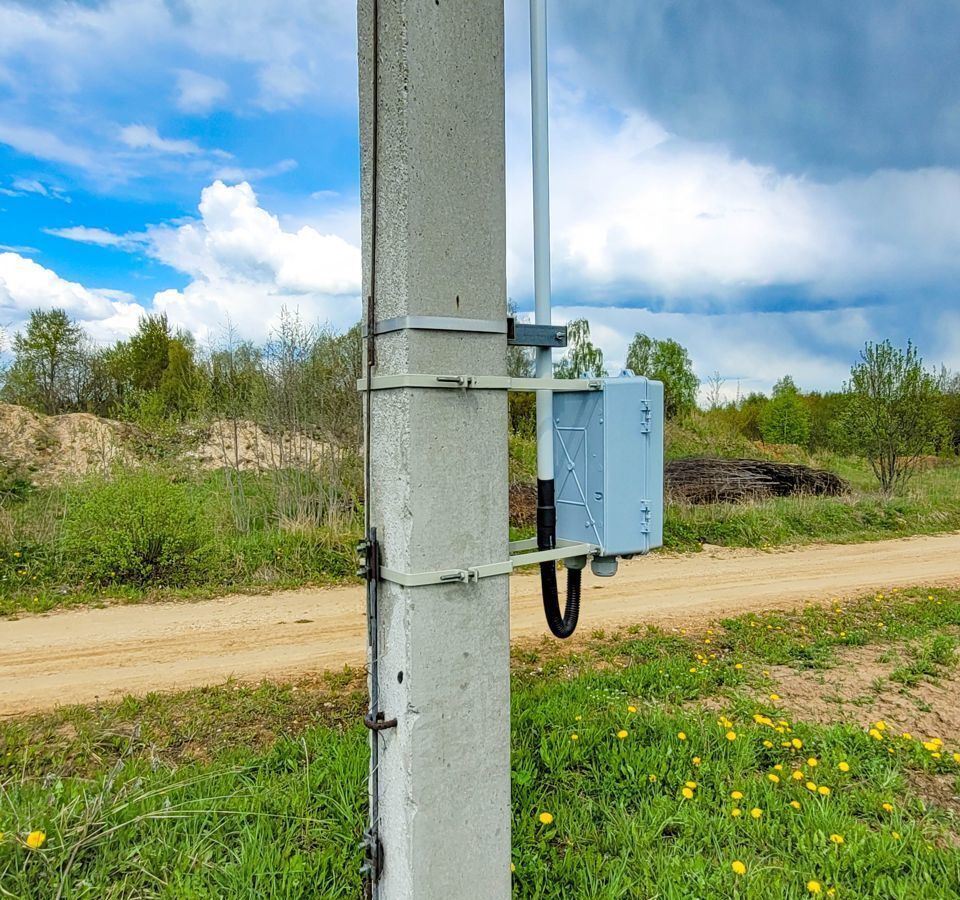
point(48, 449)
point(245, 446)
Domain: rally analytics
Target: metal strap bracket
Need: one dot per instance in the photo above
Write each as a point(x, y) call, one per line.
point(438, 323)
point(479, 383)
point(473, 574)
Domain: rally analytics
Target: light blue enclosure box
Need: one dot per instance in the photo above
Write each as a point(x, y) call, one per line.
point(608, 465)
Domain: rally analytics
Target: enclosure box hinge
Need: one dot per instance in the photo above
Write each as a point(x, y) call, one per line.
point(645, 513)
point(646, 416)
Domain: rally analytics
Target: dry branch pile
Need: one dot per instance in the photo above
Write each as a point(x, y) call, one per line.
point(703, 479)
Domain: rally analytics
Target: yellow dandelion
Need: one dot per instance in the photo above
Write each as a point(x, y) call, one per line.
point(795, 804)
point(756, 812)
point(814, 887)
point(811, 786)
point(837, 838)
point(844, 766)
point(931, 746)
point(876, 735)
point(681, 736)
point(574, 737)
point(513, 868)
point(774, 697)
point(736, 795)
point(546, 818)
point(687, 793)
point(880, 726)
point(895, 835)
point(692, 785)
point(631, 709)
point(796, 743)
point(731, 735)
point(813, 762)
point(768, 744)
point(692, 669)
point(696, 760)
point(773, 777)
point(778, 767)
point(823, 790)
point(796, 775)
point(956, 757)
point(622, 734)
point(36, 839)
point(578, 718)
point(738, 867)
point(738, 666)
point(736, 812)
point(887, 807)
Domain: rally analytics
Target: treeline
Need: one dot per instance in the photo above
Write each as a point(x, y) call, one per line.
point(302, 378)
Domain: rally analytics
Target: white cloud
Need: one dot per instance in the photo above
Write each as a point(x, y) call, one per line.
point(245, 268)
point(145, 137)
point(97, 236)
point(199, 93)
point(636, 212)
point(239, 173)
point(43, 144)
point(25, 285)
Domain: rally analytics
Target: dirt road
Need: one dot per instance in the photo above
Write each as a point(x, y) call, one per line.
point(83, 656)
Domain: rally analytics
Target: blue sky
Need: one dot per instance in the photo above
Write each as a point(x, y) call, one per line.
point(770, 182)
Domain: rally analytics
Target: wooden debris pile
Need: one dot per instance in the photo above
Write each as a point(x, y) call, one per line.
point(704, 479)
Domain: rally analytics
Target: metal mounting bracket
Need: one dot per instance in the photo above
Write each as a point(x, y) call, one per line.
point(523, 334)
point(438, 323)
point(471, 575)
point(519, 334)
point(478, 383)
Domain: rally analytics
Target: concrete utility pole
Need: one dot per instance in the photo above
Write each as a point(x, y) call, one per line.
point(435, 224)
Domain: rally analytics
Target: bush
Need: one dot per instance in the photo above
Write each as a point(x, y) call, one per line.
point(138, 528)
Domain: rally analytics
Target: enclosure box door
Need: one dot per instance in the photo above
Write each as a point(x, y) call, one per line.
point(608, 453)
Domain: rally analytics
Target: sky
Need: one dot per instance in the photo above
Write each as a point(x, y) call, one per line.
point(771, 183)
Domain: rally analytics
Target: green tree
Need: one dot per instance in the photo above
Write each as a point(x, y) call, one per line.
point(950, 386)
point(160, 370)
point(668, 362)
point(894, 411)
point(47, 370)
point(785, 419)
point(583, 359)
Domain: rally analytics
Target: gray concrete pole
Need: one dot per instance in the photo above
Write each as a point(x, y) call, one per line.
point(438, 457)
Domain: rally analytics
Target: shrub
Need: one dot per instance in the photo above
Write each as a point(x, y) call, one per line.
point(140, 528)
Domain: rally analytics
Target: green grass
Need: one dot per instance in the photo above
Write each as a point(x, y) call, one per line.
point(259, 791)
point(165, 532)
point(930, 505)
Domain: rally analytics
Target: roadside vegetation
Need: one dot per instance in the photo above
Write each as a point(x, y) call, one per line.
point(278, 501)
point(699, 761)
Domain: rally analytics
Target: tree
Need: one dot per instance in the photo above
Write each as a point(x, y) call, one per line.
point(669, 362)
point(47, 357)
point(950, 385)
point(583, 359)
point(894, 411)
point(785, 419)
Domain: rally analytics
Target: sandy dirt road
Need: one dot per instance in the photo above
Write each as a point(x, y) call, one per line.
point(90, 655)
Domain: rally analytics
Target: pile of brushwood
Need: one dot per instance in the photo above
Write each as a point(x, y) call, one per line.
point(704, 479)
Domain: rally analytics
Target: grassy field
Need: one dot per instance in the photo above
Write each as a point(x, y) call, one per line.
point(171, 533)
point(644, 764)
